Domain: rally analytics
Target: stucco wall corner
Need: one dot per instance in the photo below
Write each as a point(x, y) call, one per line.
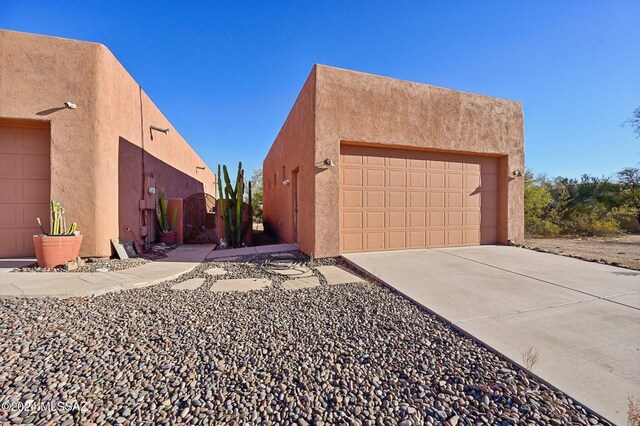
point(292, 154)
point(105, 154)
point(516, 206)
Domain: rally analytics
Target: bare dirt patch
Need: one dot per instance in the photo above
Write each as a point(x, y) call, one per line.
point(623, 249)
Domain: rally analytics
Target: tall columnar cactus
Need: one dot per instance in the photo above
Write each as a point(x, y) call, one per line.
point(231, 198)
point(58, 221)
point(250, 202)
point(221, 196)
point(239, 193)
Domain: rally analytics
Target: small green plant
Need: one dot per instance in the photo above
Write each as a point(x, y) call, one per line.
point(58, 221)
point(162, 208)
point(530, 357)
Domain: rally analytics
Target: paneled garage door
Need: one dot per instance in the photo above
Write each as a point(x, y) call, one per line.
point(393, 199)
point(25, 170)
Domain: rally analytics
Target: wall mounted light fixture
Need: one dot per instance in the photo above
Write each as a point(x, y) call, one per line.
point(70, 105)
point(516, 173)
point(329, 162)
point(285, 182)
point(200, 168)
point(158, 129)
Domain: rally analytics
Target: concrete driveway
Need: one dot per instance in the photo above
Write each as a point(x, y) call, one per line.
point(583, 318)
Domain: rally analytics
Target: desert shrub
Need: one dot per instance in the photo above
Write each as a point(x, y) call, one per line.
point(586, 206)
point(627, 217)
point(629, 184)
point(537, 226)
point(596, 221)
point(538, 207)
point(573, 195)
point(257, 195)
point(590, 206)
point(549, 228)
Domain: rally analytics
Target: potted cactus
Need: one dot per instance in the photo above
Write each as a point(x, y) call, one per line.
point(60, 244)
point(167, 229)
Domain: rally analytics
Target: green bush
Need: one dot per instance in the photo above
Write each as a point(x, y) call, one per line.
point(590, 206)
point(596, 222)
point(256, 182)
point(628, 218)
point(538, 207)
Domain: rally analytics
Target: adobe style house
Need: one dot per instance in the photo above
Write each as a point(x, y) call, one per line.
point(368, 163)
point(99, 154)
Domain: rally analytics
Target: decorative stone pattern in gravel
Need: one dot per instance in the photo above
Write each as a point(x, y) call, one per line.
point(300, 283)
point(241, 284)
point(190, 284)
point(91, 265)
point(215, 271)
point(344, 354)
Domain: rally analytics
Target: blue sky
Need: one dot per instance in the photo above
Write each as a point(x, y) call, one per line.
point(227, 73)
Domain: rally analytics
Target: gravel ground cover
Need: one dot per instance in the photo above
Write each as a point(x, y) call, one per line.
point(90, 265)
point(344, 354)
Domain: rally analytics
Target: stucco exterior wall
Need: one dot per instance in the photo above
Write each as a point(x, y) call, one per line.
point(293, 149)
point(38, 74)
point(132, 151)
point(354, 107)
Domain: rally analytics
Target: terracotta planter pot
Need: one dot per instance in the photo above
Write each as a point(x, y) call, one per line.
point(52, 251)
point(169, 238)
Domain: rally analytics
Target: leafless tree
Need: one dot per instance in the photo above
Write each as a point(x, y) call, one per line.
point(634, 122)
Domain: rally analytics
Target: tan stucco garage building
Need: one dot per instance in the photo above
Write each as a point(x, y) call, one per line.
point(98, 154)
point(369, 163)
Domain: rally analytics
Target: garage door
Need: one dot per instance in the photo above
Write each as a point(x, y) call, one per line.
point(24, 187)
point(397, 199)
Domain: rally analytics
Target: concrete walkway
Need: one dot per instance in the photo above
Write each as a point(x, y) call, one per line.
point(82, 284)
point(583, 318)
